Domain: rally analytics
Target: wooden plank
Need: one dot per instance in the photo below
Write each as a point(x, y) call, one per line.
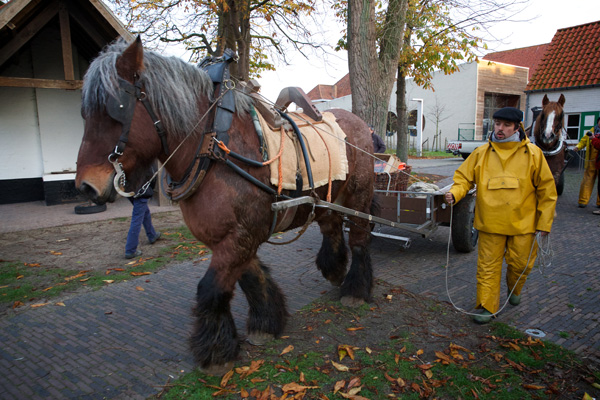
point(10, 10)
point(87, 25)
point(65, 37)
point(112, 20)
point(28, 32)
point(40, 83)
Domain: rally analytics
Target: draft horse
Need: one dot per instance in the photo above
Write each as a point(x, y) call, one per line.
point(129, 92)
point(549, 135)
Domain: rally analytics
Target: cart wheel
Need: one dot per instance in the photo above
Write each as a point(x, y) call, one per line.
point(464, 236)
point(560, 186)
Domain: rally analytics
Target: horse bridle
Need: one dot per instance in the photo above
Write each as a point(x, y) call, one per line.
point(121, 109)
point(561, 140)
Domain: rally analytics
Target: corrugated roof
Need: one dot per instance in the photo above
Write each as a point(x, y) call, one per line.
point(571, 59)
point(529, 57)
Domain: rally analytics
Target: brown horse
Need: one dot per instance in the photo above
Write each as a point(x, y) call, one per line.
point(549, 135)
point(126, 92)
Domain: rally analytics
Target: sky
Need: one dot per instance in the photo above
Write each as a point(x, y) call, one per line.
point(544, 18)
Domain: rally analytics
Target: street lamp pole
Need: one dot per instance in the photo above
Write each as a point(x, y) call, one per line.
point(419, 127)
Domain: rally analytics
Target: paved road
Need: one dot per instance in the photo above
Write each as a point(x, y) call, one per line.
point(122, 343)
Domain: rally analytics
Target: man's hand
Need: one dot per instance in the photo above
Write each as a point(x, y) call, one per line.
point(542, 233)
point(449, 197)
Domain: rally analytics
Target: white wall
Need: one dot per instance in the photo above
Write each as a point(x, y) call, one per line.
point(40, 129)
point(456, 94)
point(576, 100)
point(61, 125)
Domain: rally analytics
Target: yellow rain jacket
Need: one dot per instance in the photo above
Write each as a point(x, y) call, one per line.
point(512, 179)
point(591, 153)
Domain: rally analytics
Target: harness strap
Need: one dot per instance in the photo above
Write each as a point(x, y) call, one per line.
point(158, 125)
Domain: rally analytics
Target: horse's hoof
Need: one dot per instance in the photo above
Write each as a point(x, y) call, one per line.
point(217, 370)
point(353, 302)
point(259, 338)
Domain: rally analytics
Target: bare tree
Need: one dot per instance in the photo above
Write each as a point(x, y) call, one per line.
point(437, 114)
point(260, 31)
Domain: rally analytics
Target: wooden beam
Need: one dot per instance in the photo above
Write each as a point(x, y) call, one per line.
point(10, 10)
point(86, 24)
point(28, 32)
point(65, 37)
point(112, 20)
point(40, 83)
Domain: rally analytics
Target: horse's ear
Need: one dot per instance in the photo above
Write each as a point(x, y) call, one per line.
point(561, 100)
point(131, 63)
point(545, 100)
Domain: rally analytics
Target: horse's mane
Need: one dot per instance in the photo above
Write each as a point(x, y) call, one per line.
point(173, 86)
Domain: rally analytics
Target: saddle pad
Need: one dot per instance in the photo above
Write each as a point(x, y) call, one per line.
point(318, 154)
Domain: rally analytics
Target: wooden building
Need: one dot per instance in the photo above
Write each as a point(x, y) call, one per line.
point(45, 48)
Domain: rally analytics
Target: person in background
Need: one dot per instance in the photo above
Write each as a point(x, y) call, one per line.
point(140, 216)
point(378, 144)
point(595, 141)
point(516, 197)
point(590, 172)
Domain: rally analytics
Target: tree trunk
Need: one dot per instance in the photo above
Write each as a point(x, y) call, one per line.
point(402, 135)
point(372, 64)
point(234, 34)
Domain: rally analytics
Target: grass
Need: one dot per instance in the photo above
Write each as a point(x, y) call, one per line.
point(22, 282)
point(513, 367)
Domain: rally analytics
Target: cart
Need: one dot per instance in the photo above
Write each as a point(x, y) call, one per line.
point(417, 212)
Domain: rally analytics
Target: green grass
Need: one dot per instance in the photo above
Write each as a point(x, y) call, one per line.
point(512, 369)
point(22, 283)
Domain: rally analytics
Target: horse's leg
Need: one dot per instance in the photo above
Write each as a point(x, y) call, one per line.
point(358, 284)
point(333, 255)
point(214, 341)
point(267, 314)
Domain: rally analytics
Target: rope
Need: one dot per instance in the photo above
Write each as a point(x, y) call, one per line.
point(545, 254)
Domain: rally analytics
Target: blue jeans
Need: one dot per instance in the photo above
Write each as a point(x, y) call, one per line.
point(139, 216)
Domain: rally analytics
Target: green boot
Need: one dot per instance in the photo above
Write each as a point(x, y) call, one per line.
point(514, 299)
point(483, 317)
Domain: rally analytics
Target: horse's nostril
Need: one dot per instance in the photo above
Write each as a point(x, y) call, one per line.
point(88, 191)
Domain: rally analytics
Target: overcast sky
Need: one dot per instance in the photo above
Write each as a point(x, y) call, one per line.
point(547, 15)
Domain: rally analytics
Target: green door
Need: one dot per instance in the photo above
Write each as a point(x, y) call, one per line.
point(588, 120)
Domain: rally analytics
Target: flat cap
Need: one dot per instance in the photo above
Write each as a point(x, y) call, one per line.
point(509, 114)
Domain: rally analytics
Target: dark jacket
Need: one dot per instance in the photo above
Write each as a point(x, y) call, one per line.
point(378, 145)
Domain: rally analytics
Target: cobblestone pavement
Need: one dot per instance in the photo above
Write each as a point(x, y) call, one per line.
point(123, 343)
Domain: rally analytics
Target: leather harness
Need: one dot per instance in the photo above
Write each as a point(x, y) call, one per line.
point(122, 107)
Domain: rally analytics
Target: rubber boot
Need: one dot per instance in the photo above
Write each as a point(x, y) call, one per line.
point(483, 317)
point(514, 299)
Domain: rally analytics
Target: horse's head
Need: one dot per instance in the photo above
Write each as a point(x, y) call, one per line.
point(549, 123)
point(119, 131)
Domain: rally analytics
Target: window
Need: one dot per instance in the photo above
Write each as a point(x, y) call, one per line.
point(573, 126)
point(492, 102)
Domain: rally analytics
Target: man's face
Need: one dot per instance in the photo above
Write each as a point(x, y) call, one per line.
point(504, 129)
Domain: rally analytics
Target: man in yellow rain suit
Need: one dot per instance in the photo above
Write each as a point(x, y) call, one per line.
point(590, 172)
point(516, 197)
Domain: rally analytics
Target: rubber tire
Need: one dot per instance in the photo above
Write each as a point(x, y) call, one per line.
point(89, 208)
point(465, 155)
point(560, 186)
point(464, 236)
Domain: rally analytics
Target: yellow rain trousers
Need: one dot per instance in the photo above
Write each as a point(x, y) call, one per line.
point(590, 173)
point(492, 249)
